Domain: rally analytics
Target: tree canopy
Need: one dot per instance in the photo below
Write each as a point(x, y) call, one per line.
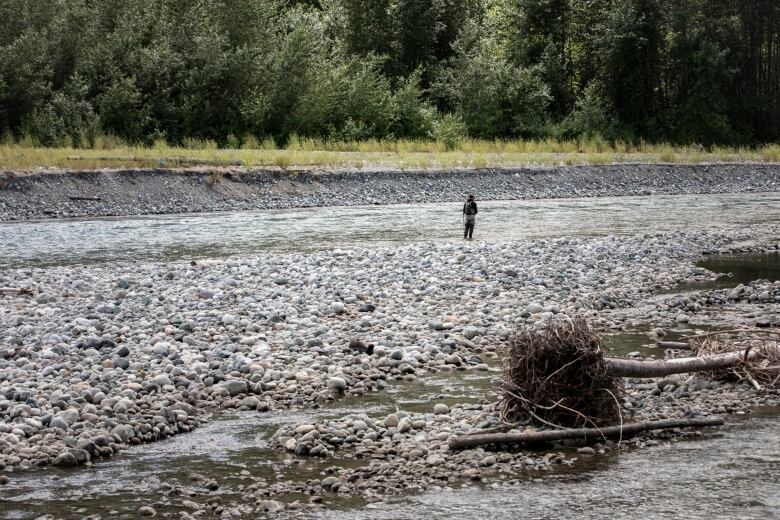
point(683, 71)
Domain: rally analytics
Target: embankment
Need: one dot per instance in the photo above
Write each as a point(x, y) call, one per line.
point(60, 194)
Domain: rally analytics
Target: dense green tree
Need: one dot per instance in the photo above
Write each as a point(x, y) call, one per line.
point(629, 64)
point(758, 82)
point(494, 97)
point(415, 30)
point(366, 26)
point(688, 71)
point(700, 71)
point(540, 39)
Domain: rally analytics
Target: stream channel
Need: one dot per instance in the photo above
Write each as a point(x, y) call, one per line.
point(733, 472)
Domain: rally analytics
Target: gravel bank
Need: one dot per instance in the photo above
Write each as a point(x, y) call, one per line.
point(57, 194)
point(102, 357)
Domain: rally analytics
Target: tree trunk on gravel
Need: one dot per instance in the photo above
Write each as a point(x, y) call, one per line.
point(635, 368)
point(588, 434)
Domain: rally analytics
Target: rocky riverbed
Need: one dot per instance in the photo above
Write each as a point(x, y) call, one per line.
point(94, 359)
point(60, 194)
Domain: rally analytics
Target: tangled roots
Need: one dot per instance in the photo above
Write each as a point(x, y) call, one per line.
point(557, 377)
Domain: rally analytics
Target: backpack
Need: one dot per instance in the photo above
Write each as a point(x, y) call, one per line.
point(468, 208)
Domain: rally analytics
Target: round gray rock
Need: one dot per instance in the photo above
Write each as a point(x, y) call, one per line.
point(337, 383)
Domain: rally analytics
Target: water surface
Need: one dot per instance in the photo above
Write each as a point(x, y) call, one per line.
point(233, 448)
point(214, 235)
point(733, 473)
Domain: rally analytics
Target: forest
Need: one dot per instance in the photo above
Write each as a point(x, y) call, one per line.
point(237, 72)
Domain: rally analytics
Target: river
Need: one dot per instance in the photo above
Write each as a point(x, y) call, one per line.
point(733, 473)
point(170, 237)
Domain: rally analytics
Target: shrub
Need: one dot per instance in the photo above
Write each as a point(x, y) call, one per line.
point(412, 116)
point(591, 118)
point(232, 142)
point(282, 160)
point(450, 130)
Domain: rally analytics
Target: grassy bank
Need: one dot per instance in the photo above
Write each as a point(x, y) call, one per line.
point(305, 153)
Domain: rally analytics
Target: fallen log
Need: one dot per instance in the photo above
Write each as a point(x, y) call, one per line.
point(699, 337)
point(194, 161)
point(587, 434)
point(9, 290)
point(91, 199)
point(15, 290)
point(635, 368)
point(108, 158)
point(674, 344)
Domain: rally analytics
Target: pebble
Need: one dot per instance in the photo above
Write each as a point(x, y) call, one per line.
point(236, 387)
point(337, 383)
point(65, 460)
point(441, 409)
point(453, 359)
point(161, 380)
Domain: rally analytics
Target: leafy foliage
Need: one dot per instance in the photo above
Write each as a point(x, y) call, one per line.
point(237, 72)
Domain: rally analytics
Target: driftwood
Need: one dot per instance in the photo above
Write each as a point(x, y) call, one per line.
point(9, 291)
point(587, 434)
point(762, 369)
point(107, 158)
point(699, 337)
point(92, 199)
point(558, 376)
point(674, 344)
point(634, 368)
point(206, 162)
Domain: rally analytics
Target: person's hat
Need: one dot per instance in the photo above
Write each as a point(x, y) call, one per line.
point(471, 196)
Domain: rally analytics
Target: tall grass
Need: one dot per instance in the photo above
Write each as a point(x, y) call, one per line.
point(302, 152)
point(771, 153)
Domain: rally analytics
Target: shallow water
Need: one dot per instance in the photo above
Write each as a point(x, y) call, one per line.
point(623, 343)
point(741, 268)
point(731, 473)
point(214, 235)
point(221, 449)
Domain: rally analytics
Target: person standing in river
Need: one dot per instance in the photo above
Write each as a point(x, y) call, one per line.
point(469, 217)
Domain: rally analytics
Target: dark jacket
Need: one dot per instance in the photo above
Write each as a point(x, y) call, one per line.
point(470, 208)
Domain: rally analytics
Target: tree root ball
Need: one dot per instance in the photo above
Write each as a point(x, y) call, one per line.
point(556, 376)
